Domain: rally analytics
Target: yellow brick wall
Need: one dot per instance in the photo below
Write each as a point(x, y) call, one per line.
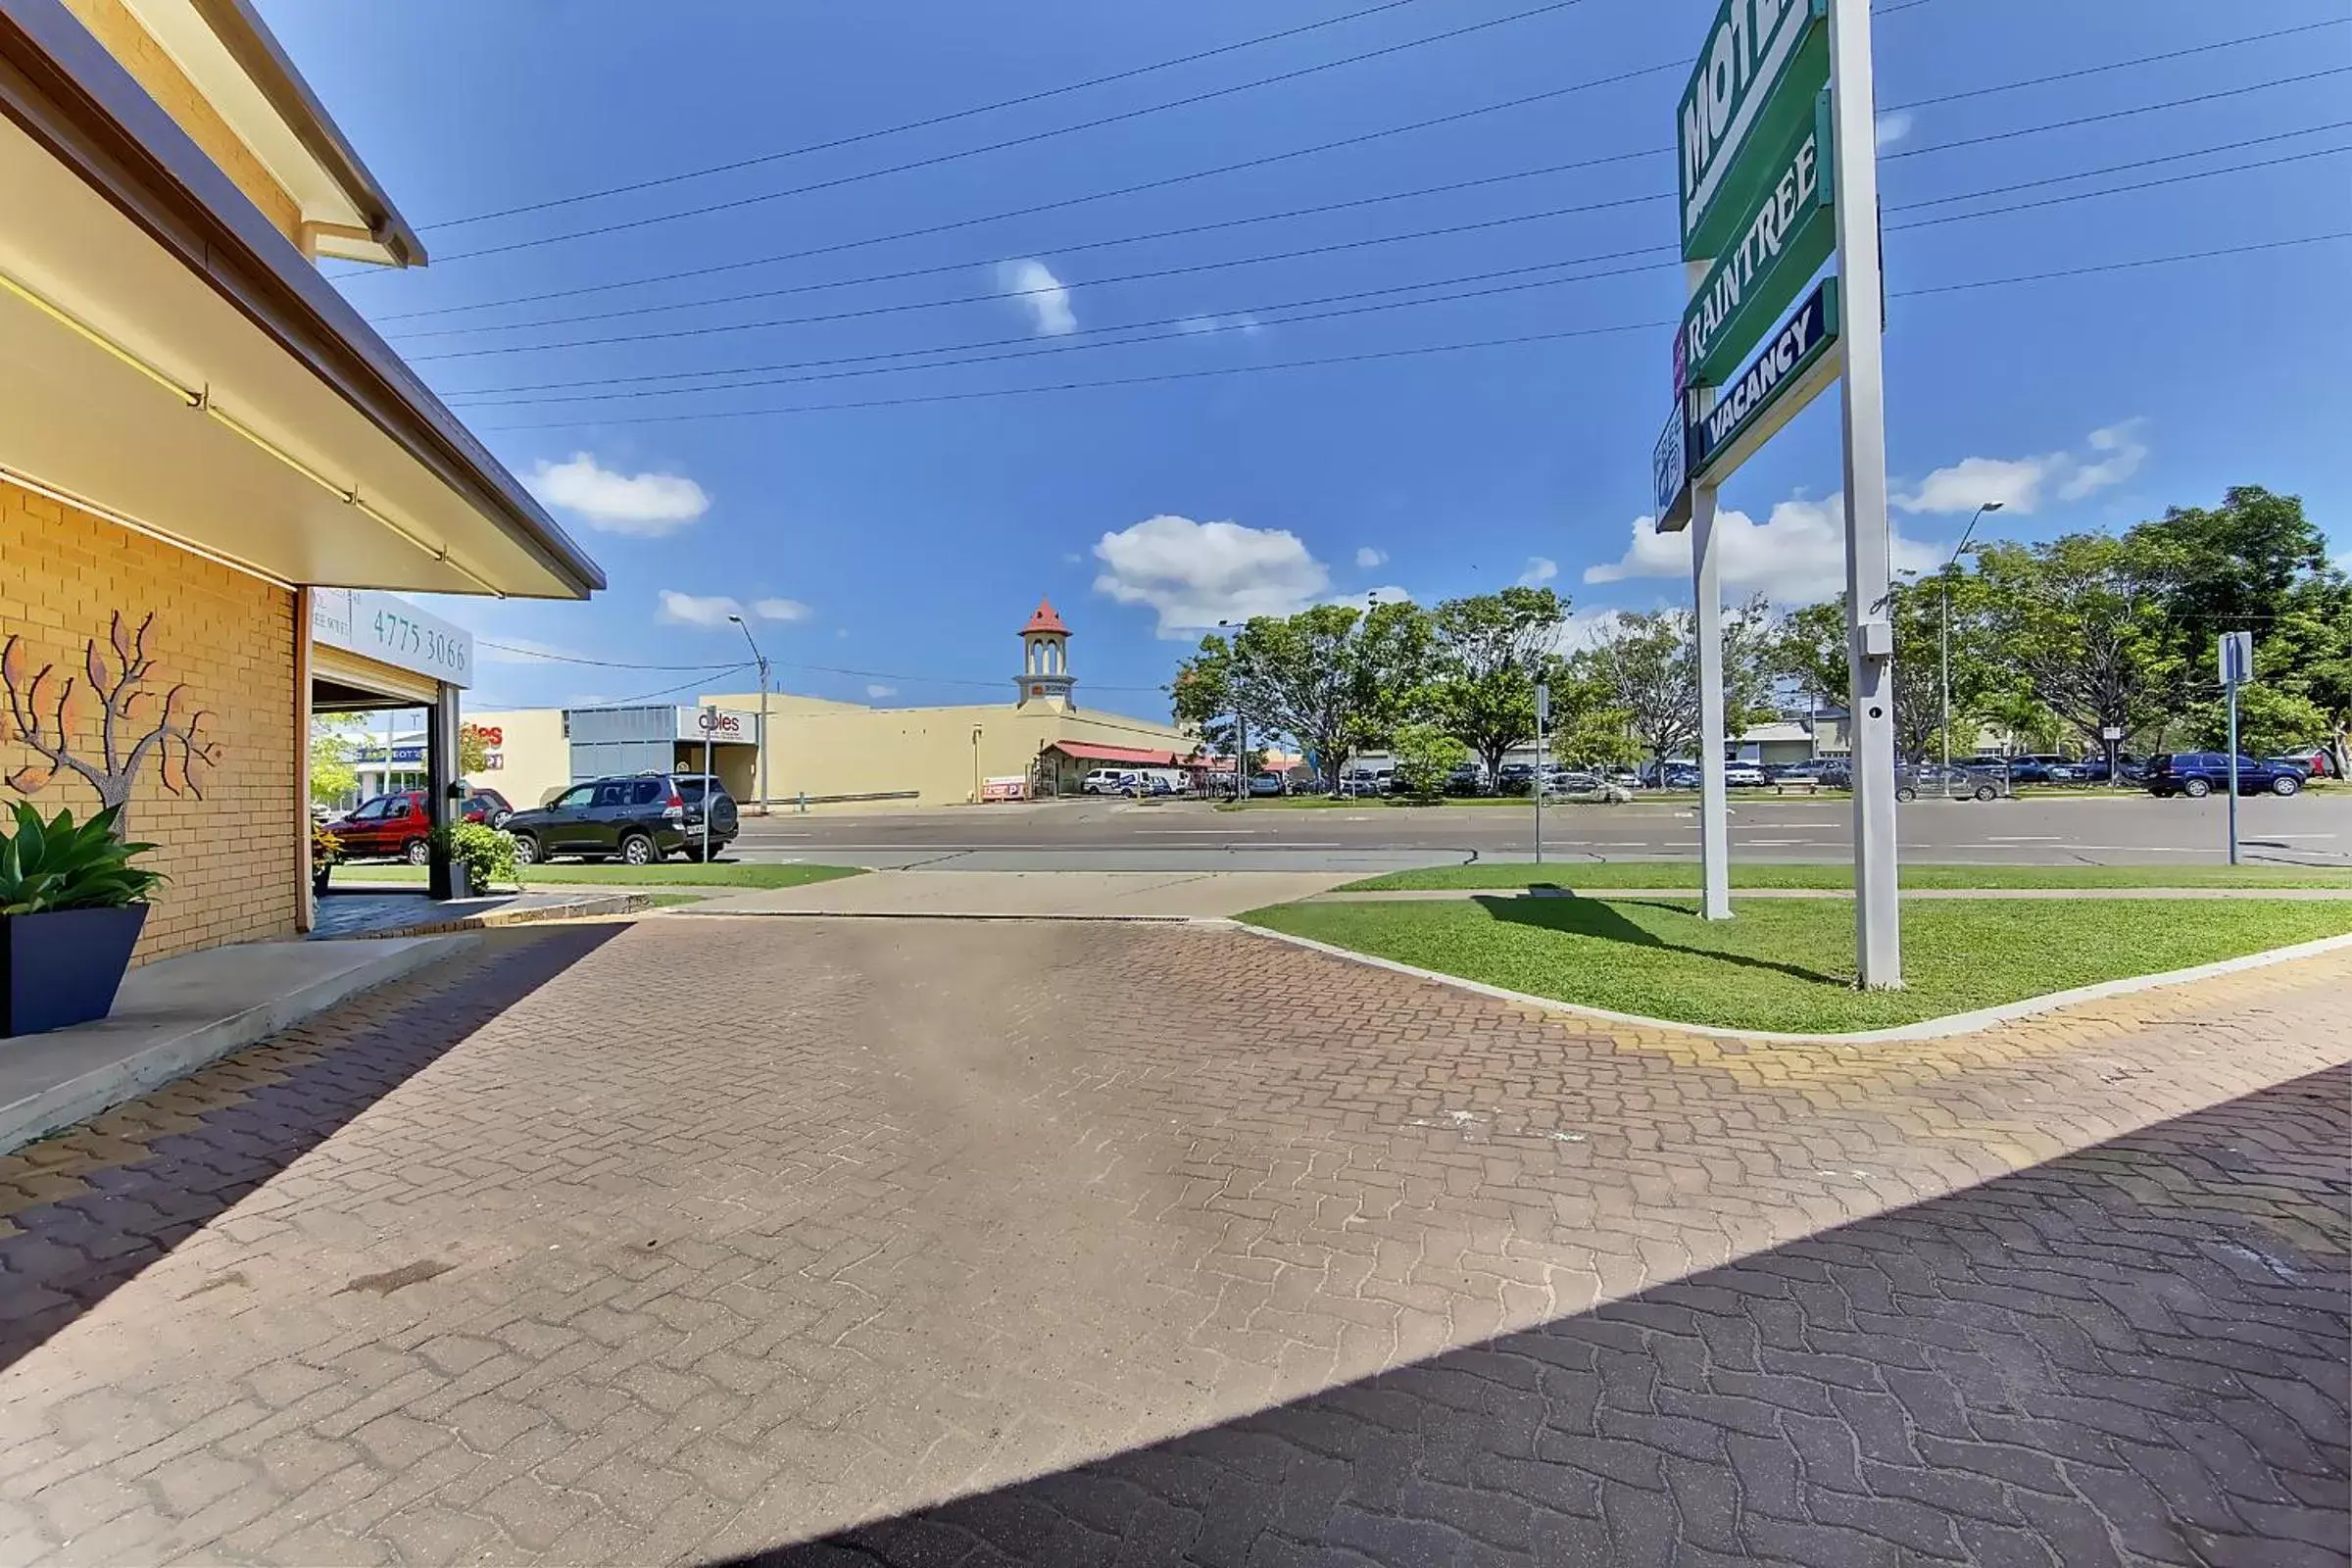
point(112, 23)
point(232, 855)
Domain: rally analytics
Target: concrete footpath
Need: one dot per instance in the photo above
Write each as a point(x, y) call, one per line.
point(1426, 895)
point(1033, 895)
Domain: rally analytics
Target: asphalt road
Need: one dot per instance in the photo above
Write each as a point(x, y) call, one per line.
point(1126, 836)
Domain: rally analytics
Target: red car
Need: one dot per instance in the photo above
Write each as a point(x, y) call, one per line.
point(396, 826)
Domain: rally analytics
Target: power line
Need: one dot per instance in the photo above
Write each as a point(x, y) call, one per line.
point(1371, 354)
point(928, 122)
point(1275, 158)
point(958, 155)
point(994, 261)
point(1337, 246)
point(1245, 316)
point(666, 691)
point(540, 655)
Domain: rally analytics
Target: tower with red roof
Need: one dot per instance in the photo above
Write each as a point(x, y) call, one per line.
point(1044, 680)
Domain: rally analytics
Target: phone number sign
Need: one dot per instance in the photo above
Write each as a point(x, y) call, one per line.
point(390, 630)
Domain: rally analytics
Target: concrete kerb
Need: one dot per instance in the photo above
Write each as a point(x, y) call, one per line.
point(1958, 1023)
point(1606, 895)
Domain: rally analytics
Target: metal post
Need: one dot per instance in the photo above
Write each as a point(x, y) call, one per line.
point(1869, 568)
point(710, 782)
point(1543, 716)
point(763, 737)
point(2232, 683)
point(441, 770)
point(1241, 757)
point(1945, 679)
point(1714, 807)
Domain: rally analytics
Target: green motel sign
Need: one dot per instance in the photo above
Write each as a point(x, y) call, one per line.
point(1782, 236)
point(1764, 65)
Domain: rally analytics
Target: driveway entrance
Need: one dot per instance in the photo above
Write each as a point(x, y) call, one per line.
point(1008, 1241)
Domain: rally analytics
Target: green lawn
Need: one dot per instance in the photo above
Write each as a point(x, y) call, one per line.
point(669, 874)
point(1789, 964)
point(1605, 874)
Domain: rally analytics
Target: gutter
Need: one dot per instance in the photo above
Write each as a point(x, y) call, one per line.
point(63, 90)
point(260, 56)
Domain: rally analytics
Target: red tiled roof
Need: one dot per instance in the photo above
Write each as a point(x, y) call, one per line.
point(1087, 751)
point(1045, 620)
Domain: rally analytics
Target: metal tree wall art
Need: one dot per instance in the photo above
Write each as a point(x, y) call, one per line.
point(46, 711)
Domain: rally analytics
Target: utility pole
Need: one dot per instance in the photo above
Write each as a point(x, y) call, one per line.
point(710, 781)
point(762, 659)
point(1946, 678)
point(2237, 666)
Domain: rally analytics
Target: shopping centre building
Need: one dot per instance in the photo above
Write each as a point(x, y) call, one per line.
point(821, 754)
point(214, 474)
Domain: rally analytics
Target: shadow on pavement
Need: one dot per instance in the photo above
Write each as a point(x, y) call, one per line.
point(2136, 1353)
point(84, 1212)
point(1591, 916)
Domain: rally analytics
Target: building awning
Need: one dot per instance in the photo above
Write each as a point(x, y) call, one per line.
point(1135, 756)
point(169, 360)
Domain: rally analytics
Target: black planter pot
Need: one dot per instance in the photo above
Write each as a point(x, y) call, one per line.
point(63, 967)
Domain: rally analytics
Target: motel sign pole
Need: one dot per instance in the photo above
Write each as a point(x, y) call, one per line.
point(1869, 566)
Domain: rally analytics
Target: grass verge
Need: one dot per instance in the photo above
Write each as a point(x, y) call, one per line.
point(1789, 964)
point(721, 874)
point(1602, 875)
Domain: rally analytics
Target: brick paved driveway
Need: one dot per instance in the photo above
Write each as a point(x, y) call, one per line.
point(1052, 1243)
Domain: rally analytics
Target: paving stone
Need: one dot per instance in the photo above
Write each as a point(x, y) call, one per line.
point(1009, 1243)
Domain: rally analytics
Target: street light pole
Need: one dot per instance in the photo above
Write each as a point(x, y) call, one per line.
point(762, 659)
point(1945, 680)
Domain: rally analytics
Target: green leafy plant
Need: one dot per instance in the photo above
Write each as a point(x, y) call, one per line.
point(58, 866)
point(486, 853)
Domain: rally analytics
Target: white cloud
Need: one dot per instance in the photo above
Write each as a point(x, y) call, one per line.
point(1796, 555)
point(2114, 455)
point(1195, 574)
point(1539, 570)
point(2120, 453)
point(878, 692)
point(1368, 557)
point(696, 610)
point(712, 610)
point(1892, 127)
point(1031, 285)
point(647, 504)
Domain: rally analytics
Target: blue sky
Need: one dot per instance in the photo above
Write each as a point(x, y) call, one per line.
point(907, 543)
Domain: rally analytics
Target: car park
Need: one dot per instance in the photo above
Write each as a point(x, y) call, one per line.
point(1515, 778)
point(1268, 784)
point(2197, 775)
point(1468, 779)
point(640, 819)
point(2044, 769)
point(1744, 775)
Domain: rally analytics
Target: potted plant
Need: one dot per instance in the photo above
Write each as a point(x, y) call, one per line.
point(72, 906)
point(478, 858)
point(326, 853)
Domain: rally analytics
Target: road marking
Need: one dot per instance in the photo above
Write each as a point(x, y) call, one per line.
point(2047, 837)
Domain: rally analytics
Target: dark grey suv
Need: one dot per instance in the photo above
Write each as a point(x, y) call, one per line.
point(639, 818)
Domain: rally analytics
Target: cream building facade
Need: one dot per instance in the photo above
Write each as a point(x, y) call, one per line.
point(835, 755)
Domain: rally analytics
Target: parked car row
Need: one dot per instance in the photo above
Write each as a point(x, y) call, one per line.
point(639, 819)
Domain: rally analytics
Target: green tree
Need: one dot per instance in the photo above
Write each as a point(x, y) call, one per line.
point(1646, 666)
point(1489, 652)
point(333, 779)
point(2082, 627)
point(473, 751)
point(1426, 754)
point(1810, 646)
point(1332, 678)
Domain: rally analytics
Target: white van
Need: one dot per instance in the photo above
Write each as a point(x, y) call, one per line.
point(1106, 781)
